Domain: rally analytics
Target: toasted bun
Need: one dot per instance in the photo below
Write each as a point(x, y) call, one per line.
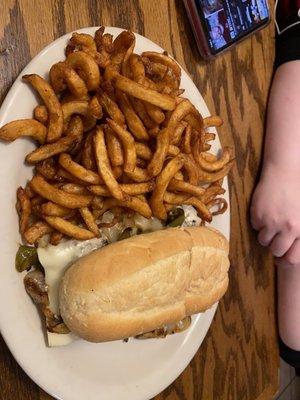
point(142, 283)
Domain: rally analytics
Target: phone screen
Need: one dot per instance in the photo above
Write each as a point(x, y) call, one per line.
point(229, 20)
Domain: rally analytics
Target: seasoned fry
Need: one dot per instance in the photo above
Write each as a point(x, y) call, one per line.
point(177, 133)
point(24, 209)
point(139, 175)
point(70, 48)
point(55, 238)
point(217, 165)
point(40, 113)
point(54, 210)
point(55, 123)
point(137, 68)
point(128, 145)
point(66, 143)
point(162, 182)
point(89, 220)
point(162, 88)
point(28, 191)
point(62, 175)
point(209, 177)
point(101, 59)
point(86, 67)
point(69, 229)
point(140, 109)
point(88, 155)
point(50, 192)
point(173, 151)
point(206, 147)
point(140, 92)
point(63, 77)
point(77, 170)
point(132, 189)
point(213, 120)
point(123, 45)
point(114, 148)
point(208, 136)
point(23, 127)
point(104, 45)
point(133, 203)
point(133, 121)
point(180, 186)
point(169, 207)
point(95, 108)
point(80, 107)
point(107, 42)
point(36, 231)
point(83, 40)
point(175, 198)
point(103, 41)
point(66, 97)
point(182, 109)
point(186, 142)
point(154, 69)
point(201, 208)
point(211, 192)
point(191, 169)
point(47, 169)
point(104, 167)
point(154, 131)
point(111, 72)
point(163, 138)
point(74, 188)
point(195, 120)
point(162, 146)
point(154, 112)
point(179, 176)
point(36, 203)
point(169, 80)
point(125, 67)
point(164, 60)
point(143, 151)
point(197, 146)
point(111, 108)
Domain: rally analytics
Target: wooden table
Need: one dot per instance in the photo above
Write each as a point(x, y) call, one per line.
point(239, 358)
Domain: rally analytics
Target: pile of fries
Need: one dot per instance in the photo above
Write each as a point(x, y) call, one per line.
point(114, 133)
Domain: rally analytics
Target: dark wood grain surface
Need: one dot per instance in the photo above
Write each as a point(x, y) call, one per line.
point(238, 359)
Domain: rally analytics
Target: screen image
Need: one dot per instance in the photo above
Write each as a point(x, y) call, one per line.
point(229, 20)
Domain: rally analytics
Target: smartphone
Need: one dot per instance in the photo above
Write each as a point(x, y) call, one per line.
point(219, 24)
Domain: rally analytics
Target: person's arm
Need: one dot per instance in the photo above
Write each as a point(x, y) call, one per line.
point(275, 209)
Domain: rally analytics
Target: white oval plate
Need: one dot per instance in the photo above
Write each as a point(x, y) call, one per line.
point(136, 370)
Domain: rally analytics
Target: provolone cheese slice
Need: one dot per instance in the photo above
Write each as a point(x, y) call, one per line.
point(55, 260)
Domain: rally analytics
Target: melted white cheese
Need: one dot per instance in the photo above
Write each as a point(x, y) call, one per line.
point(147, 224)
point(58, 339)
point(190, 216)
point(56, 259)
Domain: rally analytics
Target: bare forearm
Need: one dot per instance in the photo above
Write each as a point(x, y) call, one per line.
point(282, 147)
